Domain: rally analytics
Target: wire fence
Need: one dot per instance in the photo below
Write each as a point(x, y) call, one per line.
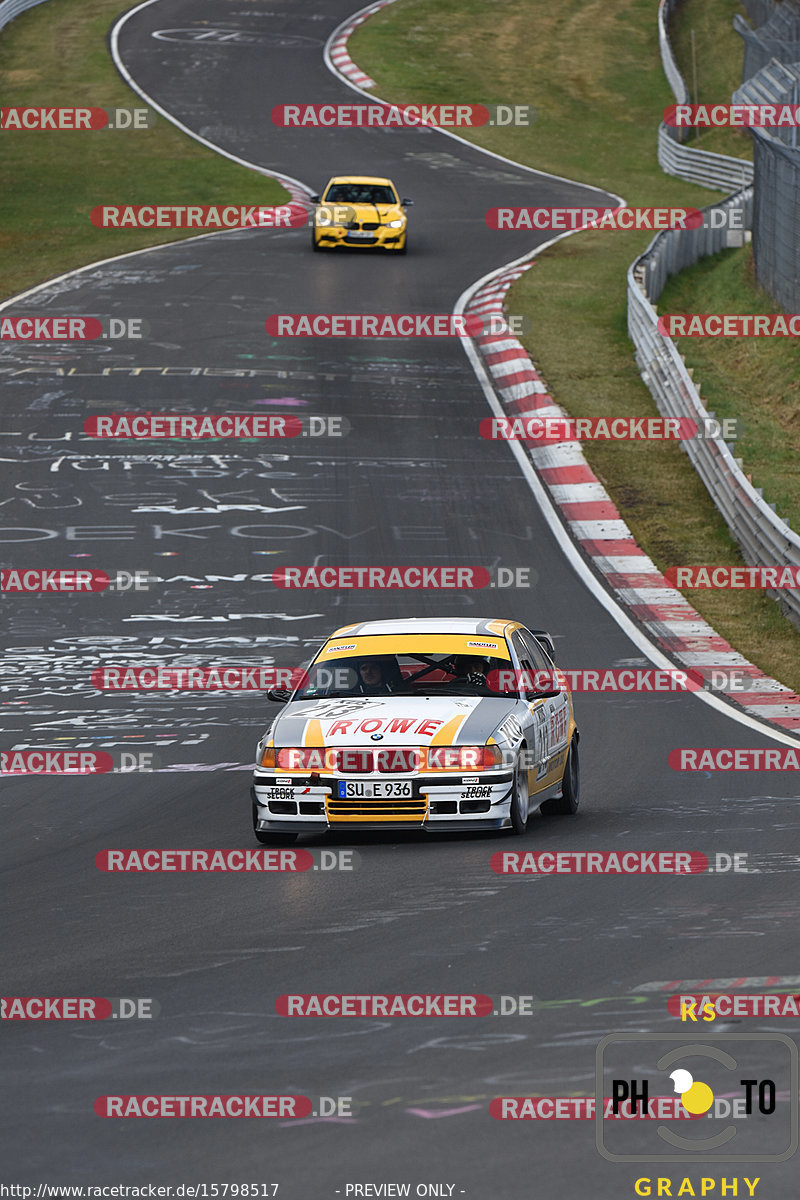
point(760, 11)
point(776, 211)
point(778, 37)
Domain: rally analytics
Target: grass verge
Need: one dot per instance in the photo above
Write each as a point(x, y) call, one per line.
point(752, 379)
point(714, 71)
point(57, 55)
point(593, 72)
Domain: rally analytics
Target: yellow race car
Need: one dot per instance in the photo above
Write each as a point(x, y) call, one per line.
point(361, 211)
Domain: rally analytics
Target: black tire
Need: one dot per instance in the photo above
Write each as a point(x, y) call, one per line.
point(566, 805)
point(520, 798)
point(272, 839)
point(404, 248)
point(315, 244)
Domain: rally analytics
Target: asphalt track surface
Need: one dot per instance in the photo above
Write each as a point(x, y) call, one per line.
point(411, 483)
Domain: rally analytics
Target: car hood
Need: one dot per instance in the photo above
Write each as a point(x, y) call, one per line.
point(381, 212)
point(421, 721)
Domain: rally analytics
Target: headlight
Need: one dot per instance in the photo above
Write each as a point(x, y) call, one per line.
point(268, 757)
point(301, 758)
point(463, 758)
point(398, 224)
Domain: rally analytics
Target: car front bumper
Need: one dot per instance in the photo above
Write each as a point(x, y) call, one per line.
point(313, 803)
point(336, 236)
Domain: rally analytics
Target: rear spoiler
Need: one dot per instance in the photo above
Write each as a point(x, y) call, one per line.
point(546, 642)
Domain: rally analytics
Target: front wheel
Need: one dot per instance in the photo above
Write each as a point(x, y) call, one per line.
point(567, 803)
point(271, 839)
point(518, 811)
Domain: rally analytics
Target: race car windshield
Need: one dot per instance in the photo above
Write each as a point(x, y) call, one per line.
point(409, 674)
point(360, 193)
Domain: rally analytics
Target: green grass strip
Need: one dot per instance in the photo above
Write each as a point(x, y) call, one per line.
point(57, 55)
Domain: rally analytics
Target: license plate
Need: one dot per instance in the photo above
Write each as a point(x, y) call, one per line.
point(360, 233)
point(360, 790)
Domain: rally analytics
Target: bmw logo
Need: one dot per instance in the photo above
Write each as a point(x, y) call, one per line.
point(377, 737)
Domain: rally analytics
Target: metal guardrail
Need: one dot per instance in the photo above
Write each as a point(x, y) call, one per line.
point(720, 172)
point(763, 537)
point(676, 81)
point(12, 8)
point(680, 248)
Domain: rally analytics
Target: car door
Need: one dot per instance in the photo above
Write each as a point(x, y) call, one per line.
point(535, 722)
point(551, 717)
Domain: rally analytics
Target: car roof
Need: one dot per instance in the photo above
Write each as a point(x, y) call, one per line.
point(495, 627)
point(358, 179)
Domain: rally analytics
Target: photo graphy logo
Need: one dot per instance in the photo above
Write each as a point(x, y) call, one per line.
point(755, 1074)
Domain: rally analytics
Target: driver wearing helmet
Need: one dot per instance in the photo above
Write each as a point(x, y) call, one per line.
point(379, 676)
point(472, 668)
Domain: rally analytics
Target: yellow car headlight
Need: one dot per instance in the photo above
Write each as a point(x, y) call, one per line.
point(396, 224)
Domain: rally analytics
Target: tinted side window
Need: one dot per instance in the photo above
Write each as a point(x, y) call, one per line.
point(521, 651)
point(534, 652)
point(526, 662)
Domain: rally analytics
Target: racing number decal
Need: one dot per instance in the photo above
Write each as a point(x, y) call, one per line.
point(559, 724)
point(540, 735)
point(331, 708)
point(551, 730)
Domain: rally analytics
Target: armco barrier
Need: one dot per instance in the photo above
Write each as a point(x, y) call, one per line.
point(763, 538)
point(12, 8)
point(676, 81)
point(720, 172)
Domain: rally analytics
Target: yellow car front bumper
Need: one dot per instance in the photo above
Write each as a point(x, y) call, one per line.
point(336, 236)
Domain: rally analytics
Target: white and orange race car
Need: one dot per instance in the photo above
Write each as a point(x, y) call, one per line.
point(433, 724)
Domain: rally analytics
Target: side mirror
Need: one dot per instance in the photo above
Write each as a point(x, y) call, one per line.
point(406, 203)
point(546, 642)
point(314, 199)
point(279, 695)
